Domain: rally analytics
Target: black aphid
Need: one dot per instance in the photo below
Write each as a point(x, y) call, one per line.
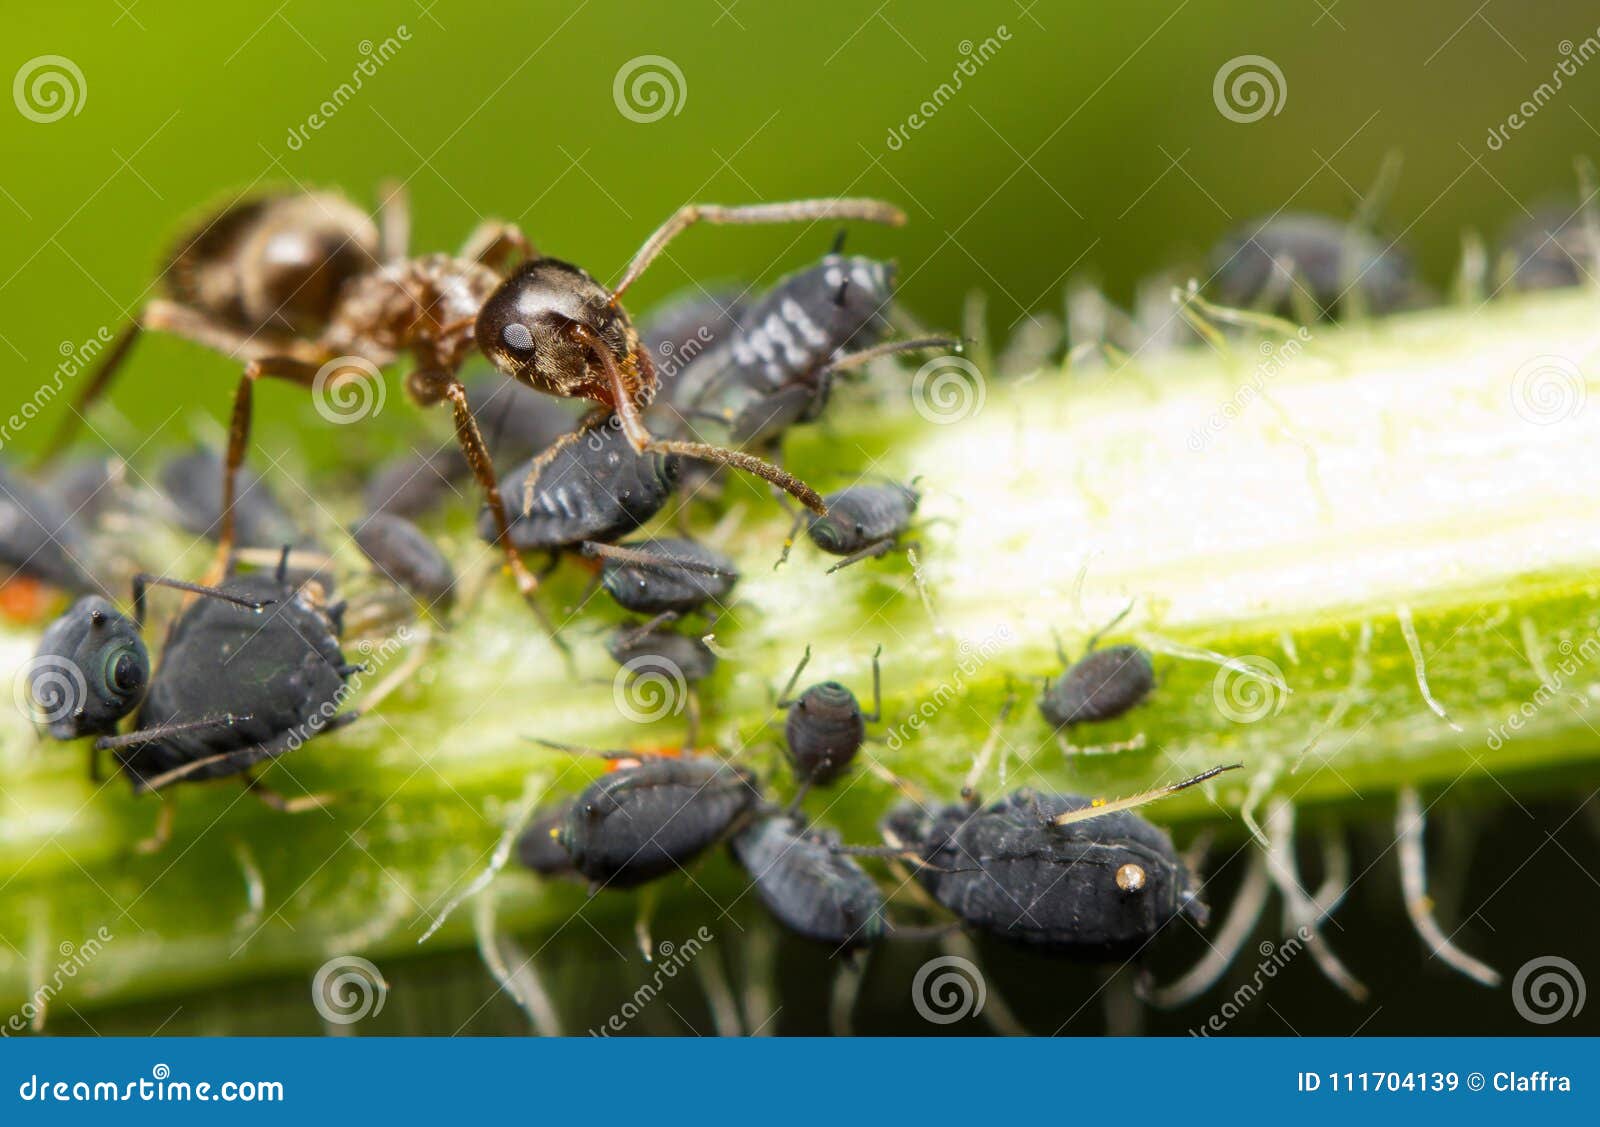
point(40, 540)
point(193, 483)
point(667, 574)
point(1289, 261)
point(1554, 248)
point(1101, 685)
point(1079, 877)
point(405, 554)
point(808, 885)
point(776, 368)
point(825, 727)
point(648, 645)
point(641, 822)
point(598, 488)
point(864, 521)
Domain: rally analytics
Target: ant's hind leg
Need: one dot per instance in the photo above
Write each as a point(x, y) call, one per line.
point(496, 243)
point(285, 368)
point(394, 220)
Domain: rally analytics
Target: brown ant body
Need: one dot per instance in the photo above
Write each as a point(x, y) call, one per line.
point(294, 284)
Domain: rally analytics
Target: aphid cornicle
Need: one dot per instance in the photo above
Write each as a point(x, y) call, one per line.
point(825, 726)
point(598, 489)
point(402, 552)
point(641, 822)
point(808, 885)
point(1099, 889)
point(1283, 262)
point(863, 521)
point(666, 574)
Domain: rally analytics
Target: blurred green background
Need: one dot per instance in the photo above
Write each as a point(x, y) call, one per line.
point(1089, 137)
point(1088, 142)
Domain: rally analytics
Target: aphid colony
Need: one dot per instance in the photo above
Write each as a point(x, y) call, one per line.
point(308, 289)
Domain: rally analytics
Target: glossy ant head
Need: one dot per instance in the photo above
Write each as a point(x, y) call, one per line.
point(543, 324)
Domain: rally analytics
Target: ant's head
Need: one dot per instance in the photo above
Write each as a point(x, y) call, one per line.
point(91, 670)
point(530, 328)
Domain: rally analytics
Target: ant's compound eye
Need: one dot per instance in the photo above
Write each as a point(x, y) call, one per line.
point(1131, 878)
point(517, 337)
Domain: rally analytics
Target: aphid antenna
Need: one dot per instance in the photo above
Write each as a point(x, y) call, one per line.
point(1094, 639)
point(788, 541)
point(655, 560)
point(785, 700)
point(854, 360)
point(1101, 806)
point(152, 735)
point(144, 580)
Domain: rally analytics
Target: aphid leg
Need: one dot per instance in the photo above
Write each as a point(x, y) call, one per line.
point(1300, 914)
point(494, 242)
point(1409, 826)
point(794, 211)
point(1102, 806)
point(145, 580)
point(1243, 916)
point(870, 552)
point(644, 913)
point(286, 368)
point(394, 221)
point(877, 689)
point(162, 833)
point(276, 801)
point(784, 699)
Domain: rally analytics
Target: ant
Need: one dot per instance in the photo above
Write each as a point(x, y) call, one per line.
point(337, 309)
